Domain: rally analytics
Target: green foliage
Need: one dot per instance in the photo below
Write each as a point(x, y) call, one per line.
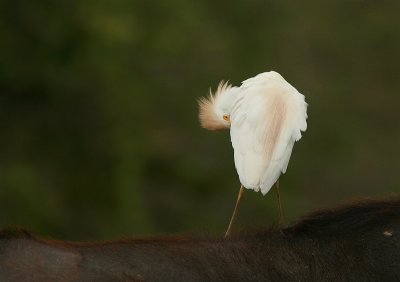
point(98, 112)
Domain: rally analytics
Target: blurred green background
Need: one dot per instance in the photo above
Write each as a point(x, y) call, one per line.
point(98, 113)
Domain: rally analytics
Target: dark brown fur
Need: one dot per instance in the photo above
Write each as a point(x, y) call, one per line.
point(358, 242)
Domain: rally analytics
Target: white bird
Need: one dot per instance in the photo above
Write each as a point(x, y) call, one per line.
point(266, 115)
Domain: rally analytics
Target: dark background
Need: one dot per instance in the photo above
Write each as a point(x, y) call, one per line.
point(98, 114)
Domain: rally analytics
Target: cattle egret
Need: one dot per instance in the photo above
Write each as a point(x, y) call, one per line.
point(266, 116)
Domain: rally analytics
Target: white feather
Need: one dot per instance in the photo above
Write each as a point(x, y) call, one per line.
point(266, 119)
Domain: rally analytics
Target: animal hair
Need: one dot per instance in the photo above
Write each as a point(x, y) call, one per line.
point(15, 232)
point(356, 216)
point(354, 242)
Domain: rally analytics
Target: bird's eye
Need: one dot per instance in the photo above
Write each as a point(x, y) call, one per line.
point(226, 117)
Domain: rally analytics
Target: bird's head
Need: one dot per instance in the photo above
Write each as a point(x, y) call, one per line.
point(215, 110)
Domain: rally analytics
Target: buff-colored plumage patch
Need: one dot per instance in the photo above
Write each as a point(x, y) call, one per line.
point(207, 115)
point(277, 114)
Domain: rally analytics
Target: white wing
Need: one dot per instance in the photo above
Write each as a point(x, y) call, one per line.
point(267, 119)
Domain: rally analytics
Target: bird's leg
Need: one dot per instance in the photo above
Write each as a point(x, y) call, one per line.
point(278, 195)
point(233, 218)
